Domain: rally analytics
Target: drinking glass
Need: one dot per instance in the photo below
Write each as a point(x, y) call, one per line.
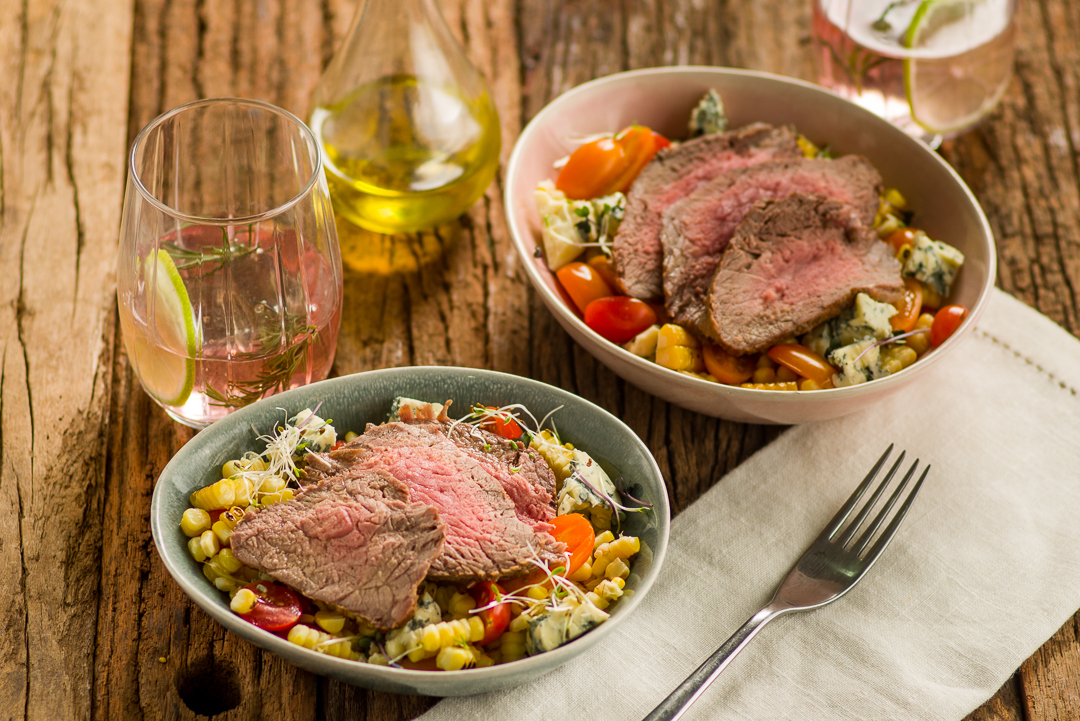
point(229, 280)
point(933, 67)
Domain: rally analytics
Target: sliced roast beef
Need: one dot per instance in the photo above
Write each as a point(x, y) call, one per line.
point(792, 264)
point(488, 535)
point(671, 176)
point(355, 541)
point(697, 229)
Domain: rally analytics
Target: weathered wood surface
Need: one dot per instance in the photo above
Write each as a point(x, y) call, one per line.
point(93, 627)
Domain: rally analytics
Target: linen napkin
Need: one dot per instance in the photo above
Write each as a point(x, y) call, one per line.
point(985, 568)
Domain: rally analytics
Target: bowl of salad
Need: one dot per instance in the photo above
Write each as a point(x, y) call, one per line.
point(744, 245)
point(429, 530)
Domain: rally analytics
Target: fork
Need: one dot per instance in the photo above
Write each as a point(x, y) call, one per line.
point(833, 564)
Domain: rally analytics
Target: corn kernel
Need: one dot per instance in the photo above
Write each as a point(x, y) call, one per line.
point(602, 538)
point(228, 561)
point(272, 498)
point(518, 624)
point(792, 386)
point(538, 593)
point(680, 358)
point(349, 436)
point(460, 605)
point(597, 600)
point(453, 658)
point(329, 621)
point(617, 568)
point(225, 584)
point(920, 342)
point(210, 544)
point(583, 573)
point(785, 375)
point(223, 532)
point(675, 335)
point(764, 375)
point(196, 550)
point(243, 601)
point(764, 361)
point(194, 522)
point(378, 659)
point(895, 199)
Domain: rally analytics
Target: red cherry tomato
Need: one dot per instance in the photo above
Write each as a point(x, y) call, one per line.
point(583, 284)
point(496, 618)
point(727, 368)
point(608, 165)
point(661, 141)
point(946, 321)
point(618, 318)
point(909, 307)
point(802, 361)
point(577, 533)
point(276, 608)
point(901, 237)
point(337, 445)
point(507, 428)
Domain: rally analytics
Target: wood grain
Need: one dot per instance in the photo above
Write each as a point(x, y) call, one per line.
point(94, 627)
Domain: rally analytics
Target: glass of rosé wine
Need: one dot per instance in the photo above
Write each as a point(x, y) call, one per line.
point(229, 280)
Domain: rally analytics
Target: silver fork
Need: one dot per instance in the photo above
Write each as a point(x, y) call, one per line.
point(833, 564)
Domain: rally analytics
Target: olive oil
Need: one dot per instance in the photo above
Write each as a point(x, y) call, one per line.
point(404, 154)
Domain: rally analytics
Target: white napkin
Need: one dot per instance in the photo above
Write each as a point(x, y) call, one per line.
point(985, 568)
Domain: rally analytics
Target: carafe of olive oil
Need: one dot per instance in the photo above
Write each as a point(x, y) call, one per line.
point(410, 134)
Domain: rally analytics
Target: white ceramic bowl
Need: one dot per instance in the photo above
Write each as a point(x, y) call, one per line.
point(352, 401)
point(662, 99)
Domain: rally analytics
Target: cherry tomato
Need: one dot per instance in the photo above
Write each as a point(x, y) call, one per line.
point(276, 608)
point(618, 318)
point(577, 533)
point(910, 305)
point(608, 165)
point(583, 284)
point(946, 321)
point(567, 299)
point(901, 237)
point(591, 168)
point(337, 445)
point(727, 368)
point(802, 361)
point(507, 428)
point(496, 618)
point(661, 141)
point(606, 268)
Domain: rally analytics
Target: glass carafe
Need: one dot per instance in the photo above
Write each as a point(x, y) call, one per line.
point(408, 127)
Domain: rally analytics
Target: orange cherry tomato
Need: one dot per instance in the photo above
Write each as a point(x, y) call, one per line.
point(606, 268)
point(639, 147)
point(567, 299)
point(608, 165)
point(583, 284)
point(496, 618)
point(590, 169)
point(802, 361)
point(727, 368)
point(901, 237)
point(577, 533)
point(661, 141)
point(909, 307)
point(618, 318)
point(508, 428)
point(946, 321)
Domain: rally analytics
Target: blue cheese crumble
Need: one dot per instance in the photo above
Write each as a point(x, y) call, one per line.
point(933, 263)
point(575, 496)
point(569, 225)
point(865, 319)
point(708, 117)
point(858, 363)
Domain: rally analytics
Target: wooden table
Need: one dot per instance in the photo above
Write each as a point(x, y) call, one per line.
point(92, 626)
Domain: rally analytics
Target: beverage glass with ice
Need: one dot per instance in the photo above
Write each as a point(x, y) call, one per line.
point(229, 280)
point(933, 67)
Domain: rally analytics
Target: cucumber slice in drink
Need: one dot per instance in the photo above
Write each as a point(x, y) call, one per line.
point(164, 353)
point(963, 54)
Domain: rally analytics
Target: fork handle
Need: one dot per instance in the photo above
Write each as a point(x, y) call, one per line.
point(676, 704)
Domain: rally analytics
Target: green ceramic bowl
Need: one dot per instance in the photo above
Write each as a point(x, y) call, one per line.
point(356, 400)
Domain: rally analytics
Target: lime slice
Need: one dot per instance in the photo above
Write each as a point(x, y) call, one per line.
point(164, 353)
point(963, 56)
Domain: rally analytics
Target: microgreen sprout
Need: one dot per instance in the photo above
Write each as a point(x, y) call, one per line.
point(334, 640)
point(394, 660)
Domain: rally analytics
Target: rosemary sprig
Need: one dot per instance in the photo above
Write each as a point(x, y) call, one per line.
point(214, 257)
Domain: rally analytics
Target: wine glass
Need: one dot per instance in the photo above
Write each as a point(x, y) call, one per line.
point(229, 275)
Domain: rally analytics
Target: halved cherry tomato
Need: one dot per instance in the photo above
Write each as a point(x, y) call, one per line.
point(276, 608)
point(901, 237)
point(946, 321)
point(338, 445)
point(661, 141)
point(590, 169)
point(727, 368)
point(577, 533)
point(606, 268)
point(496, 618)
point(583, 284)
point(608, 165)
point(802, 361)
point(567, 299)
point(910, 305)
point(618, 318)
point(507, 428)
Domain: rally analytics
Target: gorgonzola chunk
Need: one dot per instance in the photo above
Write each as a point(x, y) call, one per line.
point(933, 263)
point(856, 363)
point(866, 318)
point(319, 435)
point(576, 496)
point(708, 117)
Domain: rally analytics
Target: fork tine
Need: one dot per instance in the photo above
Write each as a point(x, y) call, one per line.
point(853, 528)
point(845, 510)
point(890, 530)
